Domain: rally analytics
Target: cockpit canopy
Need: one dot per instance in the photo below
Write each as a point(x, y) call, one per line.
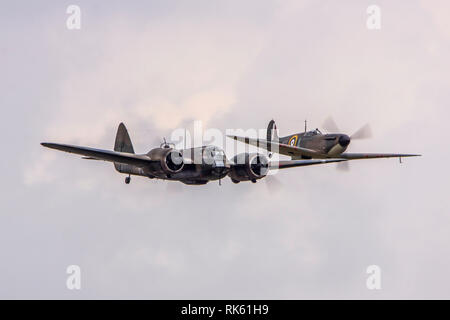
point(214, 156)
point(313, 133)
point(213, 152)
point(204, 155)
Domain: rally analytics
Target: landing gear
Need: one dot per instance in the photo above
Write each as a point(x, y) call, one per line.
point(254, 180)
point(128, 180)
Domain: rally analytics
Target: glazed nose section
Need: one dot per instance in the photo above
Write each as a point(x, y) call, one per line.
point(344, 140)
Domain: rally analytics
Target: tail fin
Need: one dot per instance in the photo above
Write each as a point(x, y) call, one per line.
point(123, 141)
point(123, 144)
point(272, 134)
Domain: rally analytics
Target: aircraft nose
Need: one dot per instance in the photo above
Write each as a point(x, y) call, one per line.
point(344, 140)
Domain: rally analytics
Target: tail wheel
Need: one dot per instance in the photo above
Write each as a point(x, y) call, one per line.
point(128, 180)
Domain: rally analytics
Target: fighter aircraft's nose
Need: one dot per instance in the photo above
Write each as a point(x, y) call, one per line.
point(344, 140)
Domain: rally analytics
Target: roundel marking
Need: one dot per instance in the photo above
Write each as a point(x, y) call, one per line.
point(293, 141)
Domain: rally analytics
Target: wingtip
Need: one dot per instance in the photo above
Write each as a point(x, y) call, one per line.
point(49, 145)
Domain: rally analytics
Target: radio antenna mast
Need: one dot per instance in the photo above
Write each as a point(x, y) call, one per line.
point(305, 124)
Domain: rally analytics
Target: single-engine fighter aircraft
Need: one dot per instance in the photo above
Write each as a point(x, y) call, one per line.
point(316, 145)
point(193, 166)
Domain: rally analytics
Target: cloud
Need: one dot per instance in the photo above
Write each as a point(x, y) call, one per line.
point(159, 72)
point(438, 10)
point(41, 170)
point(232, 65)
point(152, 75)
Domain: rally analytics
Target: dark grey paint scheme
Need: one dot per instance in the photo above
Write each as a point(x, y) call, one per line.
point(313, 145)
point(194, 166)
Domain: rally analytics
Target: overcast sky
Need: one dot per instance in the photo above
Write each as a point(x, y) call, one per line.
point(159, 65)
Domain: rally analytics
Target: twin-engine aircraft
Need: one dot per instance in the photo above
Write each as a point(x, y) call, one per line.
point(316, 145)
point(193, 166)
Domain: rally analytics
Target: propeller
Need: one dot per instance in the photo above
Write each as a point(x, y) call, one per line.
point(330, 125)
point(273, 184)
point(364, 132)
point(343, 166)
point(259, 166)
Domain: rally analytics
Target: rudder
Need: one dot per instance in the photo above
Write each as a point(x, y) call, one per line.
point(123, 141)
point(272, 134)
point(123, 144)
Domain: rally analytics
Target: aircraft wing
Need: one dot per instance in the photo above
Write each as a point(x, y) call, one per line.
point(356, 156)
point(293, 151)
point(284, 149)
point(301, 163)
point(99, 154)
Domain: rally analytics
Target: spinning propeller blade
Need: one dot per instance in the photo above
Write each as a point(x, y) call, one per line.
point(362, 133)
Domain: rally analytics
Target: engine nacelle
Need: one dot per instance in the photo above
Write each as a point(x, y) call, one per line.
point(171, 160)
point(249, 167)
